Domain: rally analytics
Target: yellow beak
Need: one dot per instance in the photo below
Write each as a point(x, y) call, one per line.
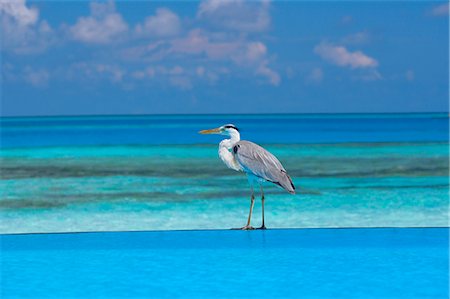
point(211, 131)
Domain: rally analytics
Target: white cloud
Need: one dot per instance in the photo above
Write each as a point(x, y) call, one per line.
point(21, 30)
point(440, 10)
point(255, 51)
point(19, 12)
point(245, 54)
point(206, 52)
point(263, 70)
point(163, 23)
point(103, 26)
point(240, 15)
point(194, 55)
point(340, 56)
point(198, 42)
point(254, 55)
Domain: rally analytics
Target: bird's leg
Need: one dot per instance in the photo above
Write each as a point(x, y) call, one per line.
point(262, 202)
point(252, 203)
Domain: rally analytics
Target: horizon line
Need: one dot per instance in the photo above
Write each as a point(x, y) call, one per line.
point(217, 114)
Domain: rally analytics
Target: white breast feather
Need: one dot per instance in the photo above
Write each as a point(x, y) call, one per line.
point(225, 154)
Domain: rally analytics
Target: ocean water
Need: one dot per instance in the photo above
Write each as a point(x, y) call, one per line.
point(400, 263)
point(122, 173)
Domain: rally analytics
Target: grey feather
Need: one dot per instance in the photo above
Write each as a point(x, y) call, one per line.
point(255, 160)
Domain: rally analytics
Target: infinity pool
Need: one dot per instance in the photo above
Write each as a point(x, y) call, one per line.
point(293, 263)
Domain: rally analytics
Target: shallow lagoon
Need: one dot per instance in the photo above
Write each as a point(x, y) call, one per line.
point(63, 174)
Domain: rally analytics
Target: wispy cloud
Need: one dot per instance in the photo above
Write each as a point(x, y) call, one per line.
point(96, 71)
point(346, 20)
point(255, 55)
point(265, 71)
point(315, 76)
point(113, 72)
point(36, 77)
point(240, 15)
point(163, 23)
point(252, 55)
point(368, 75)
point(357, 38)
point(201, 46)
point(103, 26)
point(199, 42)
point(341, 56)
point(410, 75)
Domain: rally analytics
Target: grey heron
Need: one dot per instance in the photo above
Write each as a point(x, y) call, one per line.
point(259, 164)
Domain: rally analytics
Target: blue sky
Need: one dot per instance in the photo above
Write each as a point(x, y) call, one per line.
point(214, 56)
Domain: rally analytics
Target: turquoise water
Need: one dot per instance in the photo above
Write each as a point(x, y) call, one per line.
point(67, 174)
point(409, 263)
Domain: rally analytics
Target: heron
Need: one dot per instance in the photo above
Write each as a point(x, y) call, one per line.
point(258, 163)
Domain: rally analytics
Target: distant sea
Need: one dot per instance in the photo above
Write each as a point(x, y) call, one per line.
point(122, 173)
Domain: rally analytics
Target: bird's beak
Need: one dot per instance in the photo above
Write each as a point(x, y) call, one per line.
point(211, 131)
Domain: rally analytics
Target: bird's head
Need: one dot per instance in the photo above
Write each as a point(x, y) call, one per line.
point(227, 130)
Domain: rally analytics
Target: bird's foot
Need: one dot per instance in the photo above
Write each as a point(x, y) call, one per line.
point(262, 227)
point(247, 227)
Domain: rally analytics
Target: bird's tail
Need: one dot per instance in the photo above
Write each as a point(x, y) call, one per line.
point(286, 182)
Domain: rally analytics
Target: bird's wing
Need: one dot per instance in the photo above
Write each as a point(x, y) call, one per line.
point(256, 160)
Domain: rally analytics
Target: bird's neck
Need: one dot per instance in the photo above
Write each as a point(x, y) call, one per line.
point(234, 137)
point(226, 149)
point(229, 143)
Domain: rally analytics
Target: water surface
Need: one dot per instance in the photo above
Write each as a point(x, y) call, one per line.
point(308, 263)
point(156, 172)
